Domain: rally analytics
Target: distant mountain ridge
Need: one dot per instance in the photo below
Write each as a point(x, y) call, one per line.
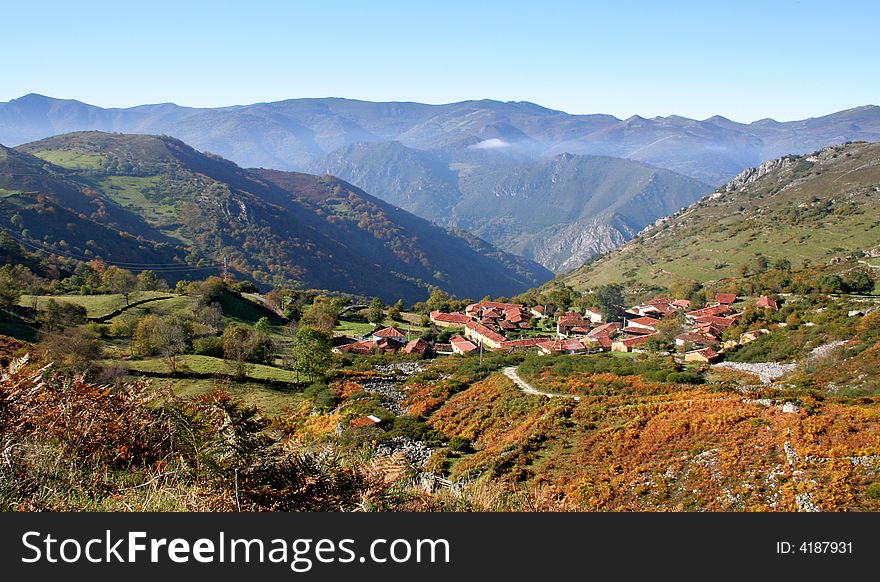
point(558, 211)
point(456, 164)
point(293, 134)
point(153, 200)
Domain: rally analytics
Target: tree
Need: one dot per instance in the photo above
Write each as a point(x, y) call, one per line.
point(608, 299)
point(263, 325)
point(831, 284)
point(120, 281)
point(236, 350)
point(61, 315)
point(321, 314)
point(10, 287)
point(858, 282)
point(376, 312)
point(172, 337)
point(149, 281)
point(312, 351)
point(437, 300)
point(73, 348)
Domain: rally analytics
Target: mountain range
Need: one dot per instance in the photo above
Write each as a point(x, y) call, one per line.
point(553, 187)
point(815, 210)
point(155, 202)
point(293, 134)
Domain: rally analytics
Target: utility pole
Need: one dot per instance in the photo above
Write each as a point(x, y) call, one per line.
point(481, 355)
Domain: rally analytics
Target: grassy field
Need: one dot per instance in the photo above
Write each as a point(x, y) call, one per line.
point(132, 191)
point(73, 160)
point(206, 365)
point(270, 400)
point(96, 305)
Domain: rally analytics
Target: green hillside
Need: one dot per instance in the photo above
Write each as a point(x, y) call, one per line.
point(154, 202)
point(809, 211)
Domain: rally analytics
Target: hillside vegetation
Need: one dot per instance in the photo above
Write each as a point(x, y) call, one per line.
point(798, 211)
point(154, 202)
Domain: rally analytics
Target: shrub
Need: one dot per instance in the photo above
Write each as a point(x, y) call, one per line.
point(873, 490)
point(685, 378)
point(208, 346)
point(459, 444)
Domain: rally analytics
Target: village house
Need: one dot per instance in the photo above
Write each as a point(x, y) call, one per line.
point(714, 310)
point(565, 346)
point(538, 311)
point(705, 355)
point(418, 346)
point(750, 336)
point(767, 303)
point(648, 323)
point(454, 319)
point(725, 298)
point(443, 349)
point(523, 344)
point(572, 323)
point(389, 333)
point(682, 304)
point(462, 346)
point(365, 348)
point(632, 344)
point(593, 314)
point(721, 323)
point(686, 340)
point(481, 334)
point(606, 329)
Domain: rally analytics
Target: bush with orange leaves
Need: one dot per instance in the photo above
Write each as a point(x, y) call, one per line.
point(68, 444)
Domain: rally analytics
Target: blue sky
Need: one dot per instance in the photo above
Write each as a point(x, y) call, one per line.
point(786, 59)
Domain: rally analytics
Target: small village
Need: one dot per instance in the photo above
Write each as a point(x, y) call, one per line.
point(514, 327)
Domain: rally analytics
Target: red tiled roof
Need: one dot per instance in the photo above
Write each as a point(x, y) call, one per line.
point(454, 317)
point(707, 353)
point(572, 320)
point(569, 345)
point(580, 329)
point(722, 322)
point(462, 344)
point(492, 305)
point(359, 348)
point(635, 341)
point(538, 308)
point(389, 332)
point(638, 331)
point(417, 346)
point(766, 302)
point(725, 298)
point(605, 328)
point(697, 338)
point(714, 310)
point(682, 303)
point(524, 343)
point(645, 321)
point(604, 340)
point(485, 331)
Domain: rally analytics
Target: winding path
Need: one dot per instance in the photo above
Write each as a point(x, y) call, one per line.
point(510, 372)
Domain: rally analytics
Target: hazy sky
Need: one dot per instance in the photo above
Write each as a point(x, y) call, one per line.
point(786, 59)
